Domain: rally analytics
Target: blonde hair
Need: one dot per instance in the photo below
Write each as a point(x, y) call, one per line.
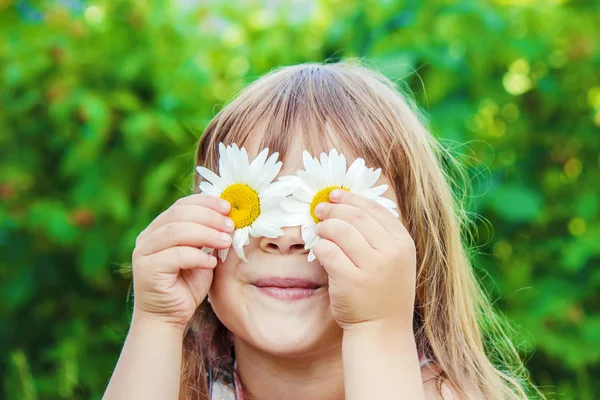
point(454, 322)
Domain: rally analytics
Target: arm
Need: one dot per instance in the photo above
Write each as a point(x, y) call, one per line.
point(380, 362)
point(171, 277)
point(149, 364)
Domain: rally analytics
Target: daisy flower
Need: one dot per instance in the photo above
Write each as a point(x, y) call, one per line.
point(249, 188)
point(312, 186)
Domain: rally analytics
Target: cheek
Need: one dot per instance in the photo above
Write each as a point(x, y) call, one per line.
point(225, 291)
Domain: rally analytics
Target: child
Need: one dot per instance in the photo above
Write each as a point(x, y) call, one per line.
point(389, 309)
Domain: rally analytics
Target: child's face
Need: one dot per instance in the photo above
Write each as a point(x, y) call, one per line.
point(278, 326)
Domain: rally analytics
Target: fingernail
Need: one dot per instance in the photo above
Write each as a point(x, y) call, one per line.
point(335, 194)
point(225, 237)
point(212, 261)
point(320, 208)
point(224, 205)
point(229, 224)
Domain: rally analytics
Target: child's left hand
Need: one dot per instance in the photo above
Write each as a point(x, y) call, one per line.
point(371, 261)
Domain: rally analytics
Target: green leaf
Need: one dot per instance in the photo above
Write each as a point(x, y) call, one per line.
point(516, 203)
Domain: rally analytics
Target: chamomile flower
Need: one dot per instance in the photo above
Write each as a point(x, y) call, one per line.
point(319, 178)
point(249, 188)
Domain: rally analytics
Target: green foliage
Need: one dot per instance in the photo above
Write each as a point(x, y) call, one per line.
point(102, 103)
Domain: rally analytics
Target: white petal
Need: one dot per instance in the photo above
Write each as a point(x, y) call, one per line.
point(244, 166)
point(306, 159)
point(269, 202)
point(326, 165)
point(208, 174)
point(324, 159)
point(240, 239)
point(244, 157)
point(223, 154)
point(223, 254)
point(255, 166)
point(303, 195)
point(207, 188)
point(314, 181)
point(274, 216)
point(354, 173)
point(311, 256)
point(301, 184)
point(276, 189)
point(312, 242)
point(207, 250)
point(312, 167)
point(266, 168)
point(230, 161)
point(309, 235)
point(266, 230)
point(252, 232)
point(269, 227)
point(259, 160)
point(368, 179)
point(375, 191)
point(377, 173)
point(225, 171)
point(222, 149)
point(387, 203)
point(297, 220)
point(338, 169)
point(268, 174)
point(292, 205)
point(289, 179)
point(394, 212)
point(238, 164)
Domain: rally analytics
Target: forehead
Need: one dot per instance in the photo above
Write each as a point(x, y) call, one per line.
point(290, 148)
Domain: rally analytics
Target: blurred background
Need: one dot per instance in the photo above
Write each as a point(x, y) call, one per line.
point(102, 103)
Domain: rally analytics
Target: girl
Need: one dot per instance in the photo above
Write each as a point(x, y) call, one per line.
point(395, 310)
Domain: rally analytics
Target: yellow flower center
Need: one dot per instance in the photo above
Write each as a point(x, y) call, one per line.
point(245, 204)
point(322, 196)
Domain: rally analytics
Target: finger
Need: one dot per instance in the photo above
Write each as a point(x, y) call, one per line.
point(335, 262)
point(206, 200)
point(184, 234)
point(372, 231)
point(177, 258)
point(384, 216)
point(214, 203)
point(348, 239)
point(192, 213)
point(199, 281)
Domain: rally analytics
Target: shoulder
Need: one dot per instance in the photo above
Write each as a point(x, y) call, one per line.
point(437, 387)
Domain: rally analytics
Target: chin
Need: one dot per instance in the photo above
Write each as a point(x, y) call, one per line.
point(288, 336)
point(281, 327)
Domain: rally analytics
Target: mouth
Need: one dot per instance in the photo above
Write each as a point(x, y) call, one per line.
point(287, 288)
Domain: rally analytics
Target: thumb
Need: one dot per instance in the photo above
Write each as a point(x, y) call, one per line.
point(199, 281)
point(333, 259)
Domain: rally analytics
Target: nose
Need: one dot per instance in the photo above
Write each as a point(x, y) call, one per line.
point(290, 243)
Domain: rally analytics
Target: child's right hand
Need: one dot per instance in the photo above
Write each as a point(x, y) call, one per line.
point(171, 274)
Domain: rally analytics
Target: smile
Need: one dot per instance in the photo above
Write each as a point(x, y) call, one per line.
point(287, 288)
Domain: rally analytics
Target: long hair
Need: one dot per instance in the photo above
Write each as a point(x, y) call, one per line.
point(454, 321)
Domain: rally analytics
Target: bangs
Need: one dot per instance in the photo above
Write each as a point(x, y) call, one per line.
point(323, 108)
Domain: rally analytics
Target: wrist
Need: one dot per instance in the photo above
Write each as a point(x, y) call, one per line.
point(381, 327)
point(380, 335)
point(378, 358)
point(144, 322)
